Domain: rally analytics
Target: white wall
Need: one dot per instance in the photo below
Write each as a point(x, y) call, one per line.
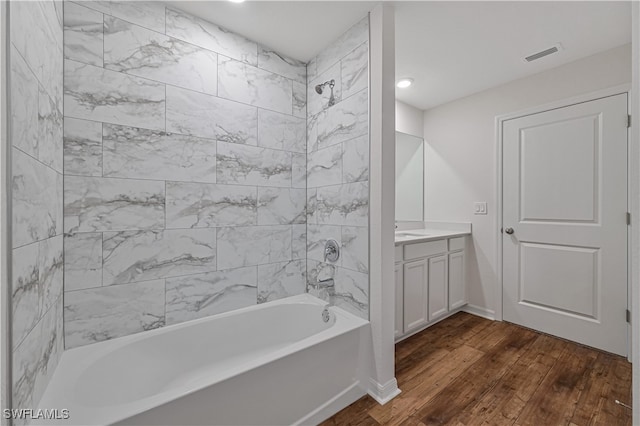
point(460, 151)
point(409, 119)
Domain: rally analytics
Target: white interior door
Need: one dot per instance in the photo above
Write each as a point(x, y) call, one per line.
point(564, 219)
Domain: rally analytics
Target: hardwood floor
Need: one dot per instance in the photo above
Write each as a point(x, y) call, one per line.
point(468, 370)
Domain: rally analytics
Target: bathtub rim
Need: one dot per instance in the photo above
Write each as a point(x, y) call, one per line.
point(75, 361)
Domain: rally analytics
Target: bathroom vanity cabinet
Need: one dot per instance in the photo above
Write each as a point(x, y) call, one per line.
point(429, 283)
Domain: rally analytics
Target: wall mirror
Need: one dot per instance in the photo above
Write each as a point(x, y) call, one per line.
point(409, 177)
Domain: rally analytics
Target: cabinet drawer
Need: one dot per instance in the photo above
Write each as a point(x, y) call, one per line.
point(398, 254)
point(430, 248)
point(456, 243)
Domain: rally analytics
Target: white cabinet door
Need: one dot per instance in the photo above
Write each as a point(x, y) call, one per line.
point(438, 287)
point(399, 301)
point(457, 290)
point(416, 275)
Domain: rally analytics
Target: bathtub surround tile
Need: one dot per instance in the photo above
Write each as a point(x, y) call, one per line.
point(299, 100)
point(344, 121)
point(244, 83)
point(312, 206)
point(138, 51)
point(24, 106)
point(199, 205)
point(298, 170)
point(82, 147)
point(98, 204)
point(352, 292)
point(99, 94)
point(346, 204)
point(253, 245)
point(36, 358)
point(317, 237)
point(299, 241)
point(319, 271)
point(148, 14)
point(149, 255)
point(312, 69)
point(83, 34)
point(98, 314)
point(319, 102)
point(281, 131)
point(312, 132)
point(355, 248)
point(248, 165)
point(51, 268)
point(346, 43)
point(26, 294)
point(136, 153)
point(82, 261)
point(203, 295)
point(280, 280)
point(206, 116)
point(281, 206)
point(355, 160)
point(355, 70)
point(205, 34)
point(324, 167)
point(273, 61)
point(37, 200)
point(50, 129)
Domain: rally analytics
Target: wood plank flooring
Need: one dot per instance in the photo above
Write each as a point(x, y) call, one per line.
point(468, 370)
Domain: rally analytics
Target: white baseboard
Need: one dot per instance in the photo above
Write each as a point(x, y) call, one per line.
point(479, 311)
point(383, 393)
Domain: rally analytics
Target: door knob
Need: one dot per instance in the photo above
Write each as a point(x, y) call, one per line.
point(508, 230)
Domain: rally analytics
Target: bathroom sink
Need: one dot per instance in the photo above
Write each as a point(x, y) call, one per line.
point(410, 234)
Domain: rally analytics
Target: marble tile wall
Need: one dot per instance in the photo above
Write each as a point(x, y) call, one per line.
point(35, 85)
point(184, 170)
point(338, 168)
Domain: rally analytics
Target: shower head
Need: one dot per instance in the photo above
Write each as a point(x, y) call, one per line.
point(320, 87)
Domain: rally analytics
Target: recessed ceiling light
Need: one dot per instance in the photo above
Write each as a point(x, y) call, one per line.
point(403, 83)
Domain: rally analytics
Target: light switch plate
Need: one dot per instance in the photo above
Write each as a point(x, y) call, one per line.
point(480, 208)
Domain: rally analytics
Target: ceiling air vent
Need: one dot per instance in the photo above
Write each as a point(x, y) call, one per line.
point(543, 53)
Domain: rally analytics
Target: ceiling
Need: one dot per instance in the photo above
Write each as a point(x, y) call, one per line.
point(451, 49)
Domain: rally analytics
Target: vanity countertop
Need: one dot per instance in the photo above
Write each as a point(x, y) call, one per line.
point(422, 235)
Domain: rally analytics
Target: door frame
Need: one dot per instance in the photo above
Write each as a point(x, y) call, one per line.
point(632, 168)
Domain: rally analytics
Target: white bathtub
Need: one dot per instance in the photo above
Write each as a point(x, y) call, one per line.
point(271, 364)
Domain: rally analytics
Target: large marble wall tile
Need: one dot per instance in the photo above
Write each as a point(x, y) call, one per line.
point(37, 34)
point(135, 50)
point(299, 241)
point(82, 261)
point(96, 204)
point(98, 314)
point(280, 131)
point(207, 116)
point(24, 106)
point(35, 359)
point(248, 165)
point(346, 204)
point(199, 205)
point(319, 271)
point(148, 255)
point(281, 206)
point(352, 292)
point(37, 200)
point(50, 129)
point(324, 167)
point(312, 132)
point(347, 42)
point(148, 14)
point(312, 69)
point(280, 280)
point(131, 152)
point(202, 295)
point(355, 70)
point(317, 237)
point(298, 170)
point(26, 291)
point(316, 102)
point(355, 248)
point(344, 121)
point(355, 159)
point(51, 267)
point(83, 31)
point(205, 34)
point(253, 245)
point(98, 94)
point(312, 205)
point(82, 147)
point(273, 61)
point(244, 83)
point(299, 100)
